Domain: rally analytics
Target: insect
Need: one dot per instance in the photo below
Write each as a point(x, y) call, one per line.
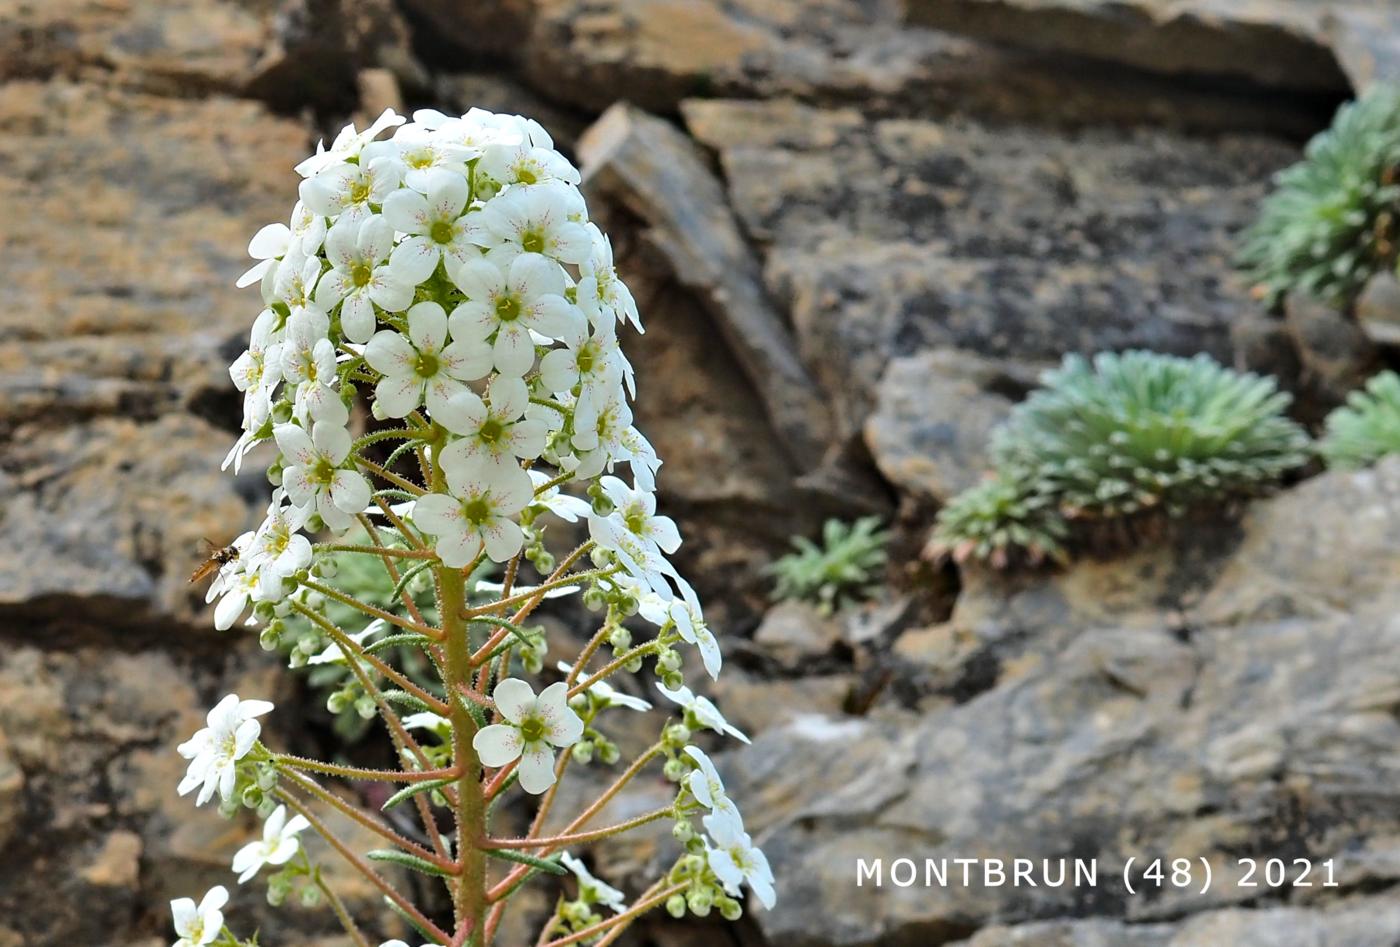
point(218, 557)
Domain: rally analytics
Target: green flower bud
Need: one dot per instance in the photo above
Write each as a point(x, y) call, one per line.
point(675, 906)
point(675, 770)
point(729, 909)
point(583, 751)
point(620, 639)
point(700, 900)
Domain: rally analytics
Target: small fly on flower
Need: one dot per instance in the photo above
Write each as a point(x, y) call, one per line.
point(217, 557)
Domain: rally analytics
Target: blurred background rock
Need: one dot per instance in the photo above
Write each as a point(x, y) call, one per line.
point(856, 229)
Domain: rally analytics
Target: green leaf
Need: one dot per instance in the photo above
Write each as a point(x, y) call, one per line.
point(408, 792)
point(407, 861)
point(550, 864)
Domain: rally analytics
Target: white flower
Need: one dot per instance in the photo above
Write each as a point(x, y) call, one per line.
point(422, 367)
point(332, 653)
point(568, 508)
point(601, 422)
point(607, 695)
point(634, 523)
point(308, 229)
point(258, 370)
point(267, 247)
point(533, 726)
point(475, 131)
point(602, 294)
point(314, 477)
point(590, 889)
point(525, 298)
point(427, 720)
point(704, 712)
point(236, 584)
point(427, 153)
point(523, 163)
point(595, 362)
point(296, 280)
point(278, 844)
point(348, 190)
point(309, 362)
point(537, 219)
point(477, 513)
point(215, 750)
point(735, 859)
point(361, 277)
point(708, 789)
point(434, 225)
point(689, 620)
point(198, 926)
point(348, 143)
point(278, 549)
point(494, 433)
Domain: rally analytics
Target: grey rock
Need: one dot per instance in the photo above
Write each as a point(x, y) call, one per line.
point(1378, 309)
point(890, 236)
point(655, 171)
point(795, 634)
point(1366, 43)
point(930, 431)
point(1270, 42)
point(1335, 351)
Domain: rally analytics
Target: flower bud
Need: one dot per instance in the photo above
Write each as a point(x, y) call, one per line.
point(729, 909)
point(583, 751)
point(675, 770)
point(675, 906)
point(365, 707)
point(269, 637)
point(676, 735)
point(673, 680)
point(608, 752)
point(683, 831)
point(620, 639)
point(700, 900)
point(593, 599)
point(310, 896)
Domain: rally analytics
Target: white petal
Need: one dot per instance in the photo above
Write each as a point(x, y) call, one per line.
point(497, 744)
point(514, 698)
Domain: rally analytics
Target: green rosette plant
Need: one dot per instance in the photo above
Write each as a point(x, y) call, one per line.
point(1367, 427)
point(844, 568)
point(1000, 522)
point(1331, 222)
point(1138, 431)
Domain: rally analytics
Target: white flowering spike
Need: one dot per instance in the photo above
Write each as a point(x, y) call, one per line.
point(477, 514)
point(422, 368)
point(199, 925)
point(278, 844)
point(314, 478)
point(507, 305)
point(360, 276)
point(607, 695)
point(735, 859)
point(534, 220)
point(704, 711)
point(215, 750)
point(590, 889)
point(533, 727)
point(444, 274)
point(708, 789)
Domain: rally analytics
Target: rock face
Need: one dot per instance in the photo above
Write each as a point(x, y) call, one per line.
point(1191, 701)
point(856, 231)
point(1275, 43)
point(888, 236)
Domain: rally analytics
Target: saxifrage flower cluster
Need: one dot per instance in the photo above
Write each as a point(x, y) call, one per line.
point(449, 279)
